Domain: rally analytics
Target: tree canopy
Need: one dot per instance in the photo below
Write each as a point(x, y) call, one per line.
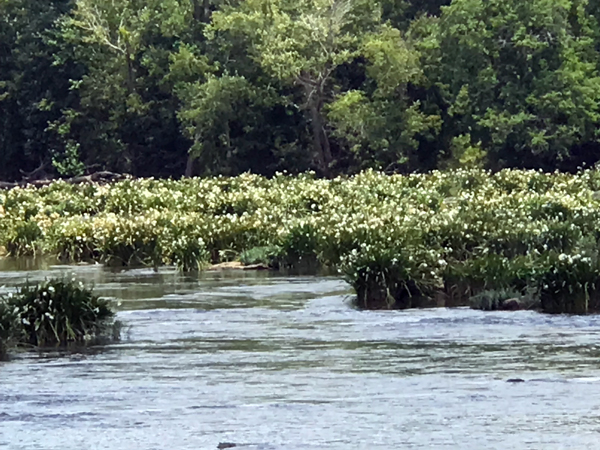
point(179, 87)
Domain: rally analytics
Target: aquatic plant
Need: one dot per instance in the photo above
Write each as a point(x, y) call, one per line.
point(23, 238)
point(395, 238)
point(392, 278)
point(8, 326)
point(55, 312)
point(569, 283)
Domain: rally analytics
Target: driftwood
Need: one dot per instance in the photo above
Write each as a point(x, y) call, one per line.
point(37, 174)
point(236, 265)
point(98, 177)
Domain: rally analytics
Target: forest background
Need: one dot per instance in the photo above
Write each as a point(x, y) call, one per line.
point(168, 88)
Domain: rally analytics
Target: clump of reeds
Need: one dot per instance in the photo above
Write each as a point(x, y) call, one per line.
point(56, 312)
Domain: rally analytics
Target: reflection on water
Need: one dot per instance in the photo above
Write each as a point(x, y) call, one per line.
point(280, 362)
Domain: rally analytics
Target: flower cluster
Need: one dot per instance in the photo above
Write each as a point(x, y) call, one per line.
point(429, 227)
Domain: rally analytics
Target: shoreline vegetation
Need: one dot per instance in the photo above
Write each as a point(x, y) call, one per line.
point(514, 239)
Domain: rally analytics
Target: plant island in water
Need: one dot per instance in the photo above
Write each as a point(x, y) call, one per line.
point(507, 240)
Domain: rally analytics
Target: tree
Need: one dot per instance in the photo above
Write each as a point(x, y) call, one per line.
point(32, 89)
point(301, 43)
point(126, 115)
point(240, 122)
point(518, 78)
point(401, 13)
point(380, 122)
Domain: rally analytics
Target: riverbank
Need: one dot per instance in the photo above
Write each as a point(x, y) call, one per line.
point(444, 238)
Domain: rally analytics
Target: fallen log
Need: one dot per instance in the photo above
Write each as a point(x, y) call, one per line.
point(97, 177)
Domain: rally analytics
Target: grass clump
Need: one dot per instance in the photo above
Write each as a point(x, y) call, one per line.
point(56, 312)
point(269, 256)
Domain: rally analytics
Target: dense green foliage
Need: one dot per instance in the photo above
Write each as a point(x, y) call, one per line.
point(400, 241)
point(174, 87)
point(55, 312)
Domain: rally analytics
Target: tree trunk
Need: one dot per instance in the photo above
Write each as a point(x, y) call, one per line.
point(189, 167)
point(314, 102)
point(206, 11)
point(202, 11)
point(130, 69)
point(320, 140)
point(201, 14)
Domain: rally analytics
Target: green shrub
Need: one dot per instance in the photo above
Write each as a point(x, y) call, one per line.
point(466, 279)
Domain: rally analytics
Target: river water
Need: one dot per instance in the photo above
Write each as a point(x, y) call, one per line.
point(281, 362)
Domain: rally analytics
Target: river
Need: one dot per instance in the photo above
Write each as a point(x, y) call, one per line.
point(284, 362)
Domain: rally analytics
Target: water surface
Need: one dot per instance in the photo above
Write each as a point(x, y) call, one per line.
point(281, 362)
